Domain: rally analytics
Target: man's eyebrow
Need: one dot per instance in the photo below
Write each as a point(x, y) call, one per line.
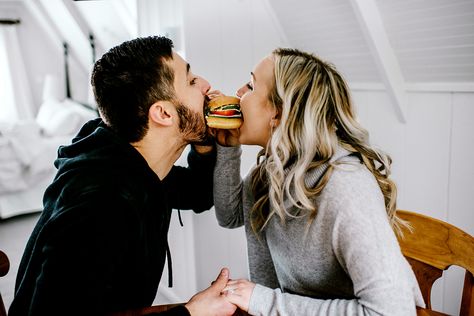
point(253, 75)
point(188, 67)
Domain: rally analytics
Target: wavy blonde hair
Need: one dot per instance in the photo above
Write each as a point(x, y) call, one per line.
point(316, 116)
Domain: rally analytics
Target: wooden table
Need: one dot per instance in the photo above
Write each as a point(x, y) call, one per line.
point(162, 308)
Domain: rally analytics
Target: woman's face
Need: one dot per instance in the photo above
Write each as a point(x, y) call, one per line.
point(257, 111)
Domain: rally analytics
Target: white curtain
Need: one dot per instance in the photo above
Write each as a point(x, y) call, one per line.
point(16, 101)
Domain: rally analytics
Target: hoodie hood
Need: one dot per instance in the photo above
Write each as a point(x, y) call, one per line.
point(102, 159)
point(97, 149)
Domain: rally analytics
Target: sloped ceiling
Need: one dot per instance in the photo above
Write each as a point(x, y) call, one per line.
point(329, 29)
point(433, 40)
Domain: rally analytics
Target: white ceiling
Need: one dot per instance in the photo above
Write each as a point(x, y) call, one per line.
point(431, 41)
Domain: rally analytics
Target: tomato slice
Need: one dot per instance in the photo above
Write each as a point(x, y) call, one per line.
point(225, 112)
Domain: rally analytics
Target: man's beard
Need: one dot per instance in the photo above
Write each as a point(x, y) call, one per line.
point(191, 124)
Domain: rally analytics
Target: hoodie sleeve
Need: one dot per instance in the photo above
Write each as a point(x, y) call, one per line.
point(191, 187)
point(76, 254)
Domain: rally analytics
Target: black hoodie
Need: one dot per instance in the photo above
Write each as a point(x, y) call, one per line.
point(101, 241)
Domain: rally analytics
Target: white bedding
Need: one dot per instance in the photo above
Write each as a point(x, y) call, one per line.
point(27, 153)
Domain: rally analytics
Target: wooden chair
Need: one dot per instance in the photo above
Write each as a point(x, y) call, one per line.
point(434, 246)
point(4, 267)
point(162, 308)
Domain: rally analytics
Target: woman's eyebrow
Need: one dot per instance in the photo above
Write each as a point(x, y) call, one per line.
point(253, 76)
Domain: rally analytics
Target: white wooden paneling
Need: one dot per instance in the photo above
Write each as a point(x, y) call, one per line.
point(371, 24)
point(461, 187)
point(359, 99)
point(427, 154)
point(220, 46)
point(237, 27)
point(430, 152)
point(427, 162)
point(432, 163)
point(202, 38)
point(461, 190)
point(387, 133)
point(183, 258)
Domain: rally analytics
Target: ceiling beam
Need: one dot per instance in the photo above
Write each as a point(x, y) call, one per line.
point(39, 12)
point(370, 20)
point(82, 24)
point(123, 13)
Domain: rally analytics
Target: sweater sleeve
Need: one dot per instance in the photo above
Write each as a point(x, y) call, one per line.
point(228, 187)
point(233, 201)
point(367, 250)
point(191, 187)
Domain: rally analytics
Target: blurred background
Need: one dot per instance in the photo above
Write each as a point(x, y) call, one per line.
point(409, 64)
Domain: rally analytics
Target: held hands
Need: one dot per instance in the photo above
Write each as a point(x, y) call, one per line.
point(238, 292)
point(211, 301)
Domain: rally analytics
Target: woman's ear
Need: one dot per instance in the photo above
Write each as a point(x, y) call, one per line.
point(275, 121)
point(160, 113)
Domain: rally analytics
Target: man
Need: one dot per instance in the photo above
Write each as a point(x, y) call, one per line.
point(101, 242)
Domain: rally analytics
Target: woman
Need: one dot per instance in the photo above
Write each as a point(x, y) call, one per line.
point(319, 206)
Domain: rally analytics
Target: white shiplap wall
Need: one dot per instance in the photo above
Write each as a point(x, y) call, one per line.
point(432, 152)
point(224, 40)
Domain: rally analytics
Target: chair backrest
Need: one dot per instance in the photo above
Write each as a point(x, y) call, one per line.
point(4, 267)
point(434, 246)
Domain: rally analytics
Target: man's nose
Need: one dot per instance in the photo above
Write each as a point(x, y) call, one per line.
point(205, 86)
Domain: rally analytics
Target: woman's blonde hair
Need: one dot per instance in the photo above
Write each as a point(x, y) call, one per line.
point(316, 116)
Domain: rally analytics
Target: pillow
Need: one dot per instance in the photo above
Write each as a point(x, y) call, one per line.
point(59, 118)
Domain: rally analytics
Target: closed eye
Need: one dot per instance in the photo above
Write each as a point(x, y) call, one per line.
point(249, 86)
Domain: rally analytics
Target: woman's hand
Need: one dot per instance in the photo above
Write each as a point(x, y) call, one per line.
point(225, 137)
point(238, 292)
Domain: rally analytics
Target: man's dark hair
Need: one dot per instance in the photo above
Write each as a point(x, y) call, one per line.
point(128, 79)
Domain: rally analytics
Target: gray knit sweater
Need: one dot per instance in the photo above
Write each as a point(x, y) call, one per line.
point(350, 261)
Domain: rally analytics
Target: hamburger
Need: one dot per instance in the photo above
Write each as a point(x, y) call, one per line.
point(223, 112)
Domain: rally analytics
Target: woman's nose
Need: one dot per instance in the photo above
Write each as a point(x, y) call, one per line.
point(241, 91)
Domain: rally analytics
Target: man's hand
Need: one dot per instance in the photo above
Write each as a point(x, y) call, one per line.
point(210, 301)
point(203, 149)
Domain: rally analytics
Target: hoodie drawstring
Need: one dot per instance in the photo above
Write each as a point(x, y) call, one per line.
point(170, 265)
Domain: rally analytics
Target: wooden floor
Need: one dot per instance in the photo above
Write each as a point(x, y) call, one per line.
point(14, 233)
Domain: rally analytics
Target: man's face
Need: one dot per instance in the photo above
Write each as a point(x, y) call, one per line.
point(191, 99)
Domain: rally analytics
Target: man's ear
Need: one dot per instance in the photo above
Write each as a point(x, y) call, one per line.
point(160, 113)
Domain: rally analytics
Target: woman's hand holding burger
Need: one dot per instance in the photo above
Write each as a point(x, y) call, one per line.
point(223, 117)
